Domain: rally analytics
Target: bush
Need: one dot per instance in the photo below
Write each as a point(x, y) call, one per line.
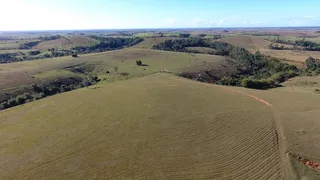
point(139, 63)
point(229, 81)
point(257, 84)
point(184, 35)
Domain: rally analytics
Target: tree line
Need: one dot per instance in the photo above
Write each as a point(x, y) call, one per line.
point(251, 70)
point(40, 91)
point(306, 45)
point(107, 44)
point(181, 45)
point(104, 44)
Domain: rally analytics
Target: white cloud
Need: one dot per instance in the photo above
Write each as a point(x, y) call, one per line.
point(171, 21)
point(295, 22)
point(310, 16)
point(221, 21)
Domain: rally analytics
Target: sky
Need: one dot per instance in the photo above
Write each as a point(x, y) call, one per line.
point(133, 14)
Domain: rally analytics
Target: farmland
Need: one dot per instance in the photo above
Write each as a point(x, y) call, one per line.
point(152, 134)
point(103, 115)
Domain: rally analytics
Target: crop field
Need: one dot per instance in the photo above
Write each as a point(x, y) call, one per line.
point(141, 129)
point(251, 43)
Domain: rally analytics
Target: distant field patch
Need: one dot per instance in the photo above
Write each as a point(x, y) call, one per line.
point(251, 43)
point(65, 43)
point(297, 56)
point(148, 43)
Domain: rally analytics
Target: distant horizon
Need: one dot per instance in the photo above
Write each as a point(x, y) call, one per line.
point(181, 28)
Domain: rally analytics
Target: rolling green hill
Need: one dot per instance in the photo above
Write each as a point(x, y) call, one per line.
point(154, 127)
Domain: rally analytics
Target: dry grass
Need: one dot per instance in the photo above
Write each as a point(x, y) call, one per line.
point(65, 43)
point(17, 74)
point(148, 43)
point(156, 127)
point(298, 111)
point(251, 43)
point(297, 56)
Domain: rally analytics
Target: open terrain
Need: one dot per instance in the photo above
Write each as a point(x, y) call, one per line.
point(65, 43)
point(142, 129)
point(144, 122)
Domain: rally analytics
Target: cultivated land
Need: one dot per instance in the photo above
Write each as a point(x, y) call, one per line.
point(141, 129)
point(140, 123)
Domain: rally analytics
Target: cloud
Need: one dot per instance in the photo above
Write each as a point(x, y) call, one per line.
point(295, 22)
point(310, 16)
point(171, 21)
point(221, 21)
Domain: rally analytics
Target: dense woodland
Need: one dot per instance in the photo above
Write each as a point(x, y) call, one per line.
point(252, 70)
point(108, 43)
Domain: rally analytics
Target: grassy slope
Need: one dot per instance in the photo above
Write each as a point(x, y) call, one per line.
point(255, 43)
point(148, 43)
point(155, 127)
point(252, 43)
point(65, 43)
point(16, 74)
point(298, 109)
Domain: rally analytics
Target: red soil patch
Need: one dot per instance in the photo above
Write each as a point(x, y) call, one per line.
point(311, 164)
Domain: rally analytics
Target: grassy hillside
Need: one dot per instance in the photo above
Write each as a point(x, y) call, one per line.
point(124, 60)
point(251, 43)
point(155, 127)
point(65, 43)
point(148, 43)
point(298, 114)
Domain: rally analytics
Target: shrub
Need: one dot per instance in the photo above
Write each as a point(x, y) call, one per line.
point(257, 84)
point(229, 81)
point(139, 63)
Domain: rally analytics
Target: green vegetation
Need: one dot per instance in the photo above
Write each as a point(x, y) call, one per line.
point(181, 45)
point(56, 85)
point(184, 35)
point(108, 43)
point(313, 65)
point(253, 70)
point(307, 45)
point(103, 44)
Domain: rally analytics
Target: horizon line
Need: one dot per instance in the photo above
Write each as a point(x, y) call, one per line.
point(178, 28)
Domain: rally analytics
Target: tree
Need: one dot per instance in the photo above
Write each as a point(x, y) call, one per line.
point(184, 35)
point(139, 63)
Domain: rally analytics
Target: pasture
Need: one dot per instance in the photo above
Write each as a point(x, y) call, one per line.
point(154, 127)
point(65, 43)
